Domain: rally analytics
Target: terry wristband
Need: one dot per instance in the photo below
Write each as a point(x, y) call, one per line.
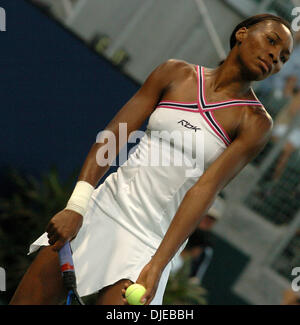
point(80, 197)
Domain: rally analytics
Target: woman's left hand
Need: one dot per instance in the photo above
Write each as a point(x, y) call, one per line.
point(149, 278)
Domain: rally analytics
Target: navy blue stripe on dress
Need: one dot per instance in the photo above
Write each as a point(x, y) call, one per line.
point(212, 121)
point(181, 105)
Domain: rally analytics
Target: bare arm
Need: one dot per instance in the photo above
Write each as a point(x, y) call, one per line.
point(253, 135)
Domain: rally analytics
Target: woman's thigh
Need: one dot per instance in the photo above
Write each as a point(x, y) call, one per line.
point(42, 283)
point(112, 295)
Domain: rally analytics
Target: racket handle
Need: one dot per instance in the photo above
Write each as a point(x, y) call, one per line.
point(67, 266)
point(65, 258)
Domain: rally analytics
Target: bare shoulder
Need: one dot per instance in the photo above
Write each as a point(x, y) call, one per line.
point(169, 71)
point(261, 115)
point(256, 125)
point(176, 67)
point(181, 64)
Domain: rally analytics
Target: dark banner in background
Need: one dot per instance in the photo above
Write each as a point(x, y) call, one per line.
point(56, 94)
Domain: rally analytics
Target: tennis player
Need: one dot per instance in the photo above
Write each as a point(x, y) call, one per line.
point(131, 227)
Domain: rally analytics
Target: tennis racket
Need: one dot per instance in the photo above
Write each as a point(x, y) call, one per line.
point(68, 274)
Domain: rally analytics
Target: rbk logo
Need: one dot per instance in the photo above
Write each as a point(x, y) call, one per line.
point(188, 125)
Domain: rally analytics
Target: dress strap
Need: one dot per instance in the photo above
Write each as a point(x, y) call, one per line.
point(221, 104)
point(208, 116)
point(190, 107)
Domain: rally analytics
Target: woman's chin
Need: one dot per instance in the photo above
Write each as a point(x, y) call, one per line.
point(256, 73)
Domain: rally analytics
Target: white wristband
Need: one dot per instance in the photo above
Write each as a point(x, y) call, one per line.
point(80, 197)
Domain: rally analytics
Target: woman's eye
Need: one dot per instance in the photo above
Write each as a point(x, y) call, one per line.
point(271, 40)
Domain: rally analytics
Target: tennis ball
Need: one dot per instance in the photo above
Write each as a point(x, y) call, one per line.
point(134, 294)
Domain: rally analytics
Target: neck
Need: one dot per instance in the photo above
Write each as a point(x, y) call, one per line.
point(230, 78)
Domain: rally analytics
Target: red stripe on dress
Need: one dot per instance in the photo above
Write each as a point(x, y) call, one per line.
point(172, 102)
point(179, 108)
point(228, 105)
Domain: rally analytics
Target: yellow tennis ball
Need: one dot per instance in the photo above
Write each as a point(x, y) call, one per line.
point(134, 294)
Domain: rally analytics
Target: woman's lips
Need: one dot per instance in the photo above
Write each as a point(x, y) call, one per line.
point(264, 66)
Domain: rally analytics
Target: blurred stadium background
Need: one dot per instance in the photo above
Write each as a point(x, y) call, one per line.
point(68, 66)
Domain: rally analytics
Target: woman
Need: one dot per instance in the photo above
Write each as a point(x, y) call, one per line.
point(134, 224)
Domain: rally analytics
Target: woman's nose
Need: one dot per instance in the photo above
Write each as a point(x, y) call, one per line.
point(273, 57)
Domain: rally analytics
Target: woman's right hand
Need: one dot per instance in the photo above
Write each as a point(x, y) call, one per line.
point(63, 227)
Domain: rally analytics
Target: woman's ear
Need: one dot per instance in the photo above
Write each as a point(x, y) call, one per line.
point(241, 34)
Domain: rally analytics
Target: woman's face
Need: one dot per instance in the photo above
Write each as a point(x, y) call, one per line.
point(264, 48)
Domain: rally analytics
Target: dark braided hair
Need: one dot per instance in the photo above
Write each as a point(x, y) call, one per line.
point(255, 20)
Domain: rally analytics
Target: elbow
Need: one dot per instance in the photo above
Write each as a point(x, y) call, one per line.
point(204, 191)
point(203, 195)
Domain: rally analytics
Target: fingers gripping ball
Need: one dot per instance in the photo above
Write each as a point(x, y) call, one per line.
point(134, 294)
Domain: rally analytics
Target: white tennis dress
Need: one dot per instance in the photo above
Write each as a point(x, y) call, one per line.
point(130, 212)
